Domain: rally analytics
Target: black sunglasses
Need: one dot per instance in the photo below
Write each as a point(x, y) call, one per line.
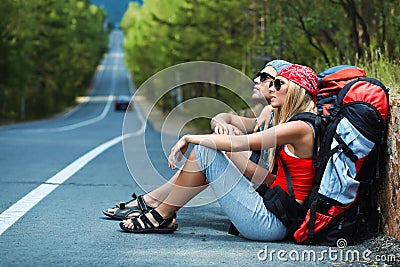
point(264, 76)
point(277, 84)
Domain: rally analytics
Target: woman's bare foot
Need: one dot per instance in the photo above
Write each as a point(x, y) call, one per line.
point(133, 208)
point(150, 222)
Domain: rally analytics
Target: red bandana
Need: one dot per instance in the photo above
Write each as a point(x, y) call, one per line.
point(303, 76)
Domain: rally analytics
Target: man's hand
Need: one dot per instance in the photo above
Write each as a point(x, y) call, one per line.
point(263, 118)
point(224, 128)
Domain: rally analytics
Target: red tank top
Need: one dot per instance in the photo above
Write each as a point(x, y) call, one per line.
point(302, 172)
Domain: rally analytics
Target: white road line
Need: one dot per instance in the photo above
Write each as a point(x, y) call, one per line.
point(79, 124)
point(21, 207)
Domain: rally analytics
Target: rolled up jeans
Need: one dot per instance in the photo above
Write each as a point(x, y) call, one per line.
point(238, 198)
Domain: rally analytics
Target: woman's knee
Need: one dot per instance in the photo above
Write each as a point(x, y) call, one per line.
point(204, 155)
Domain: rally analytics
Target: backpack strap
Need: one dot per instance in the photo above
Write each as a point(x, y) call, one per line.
point(304, 116)
point(313, 218)
point(316, 122)
point(288, 178)
point(318, 130)
point(346, 150)
point(284, 206)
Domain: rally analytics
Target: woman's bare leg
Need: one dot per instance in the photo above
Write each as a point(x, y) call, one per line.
point(190, 182)
point(155, 197)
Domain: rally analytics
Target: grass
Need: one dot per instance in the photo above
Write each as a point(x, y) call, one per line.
point(378, 66)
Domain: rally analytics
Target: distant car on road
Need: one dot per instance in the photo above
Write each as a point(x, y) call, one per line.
point(122, 102)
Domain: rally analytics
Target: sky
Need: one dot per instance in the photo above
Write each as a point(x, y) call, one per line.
point(115, 8)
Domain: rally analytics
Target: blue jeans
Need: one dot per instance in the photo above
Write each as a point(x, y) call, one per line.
point(238, 198)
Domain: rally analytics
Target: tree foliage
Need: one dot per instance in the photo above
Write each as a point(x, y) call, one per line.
point(244, 34)
point(49, 50)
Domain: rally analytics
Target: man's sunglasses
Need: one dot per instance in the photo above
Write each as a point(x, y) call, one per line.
point(264, 76)
point(277, 84)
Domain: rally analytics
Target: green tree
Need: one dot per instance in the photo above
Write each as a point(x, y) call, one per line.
point(49, 51)
point(245, 34)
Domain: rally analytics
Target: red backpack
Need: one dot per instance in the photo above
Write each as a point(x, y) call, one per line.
point(351, 129)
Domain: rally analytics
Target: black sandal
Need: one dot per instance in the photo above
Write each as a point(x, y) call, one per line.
point(162, 228)
point(123, 211)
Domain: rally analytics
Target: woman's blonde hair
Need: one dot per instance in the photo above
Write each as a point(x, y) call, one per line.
point(297, 100)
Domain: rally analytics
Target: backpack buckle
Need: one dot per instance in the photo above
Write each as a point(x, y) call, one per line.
point(335, 111)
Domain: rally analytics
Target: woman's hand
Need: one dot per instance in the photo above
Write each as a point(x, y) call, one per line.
point(179, 150)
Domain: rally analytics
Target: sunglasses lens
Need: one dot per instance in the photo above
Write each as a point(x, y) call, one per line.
point(264, 76)
point(277, 84)
point(271, 83)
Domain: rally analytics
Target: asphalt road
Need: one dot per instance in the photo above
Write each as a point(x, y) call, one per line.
point(58, 174)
